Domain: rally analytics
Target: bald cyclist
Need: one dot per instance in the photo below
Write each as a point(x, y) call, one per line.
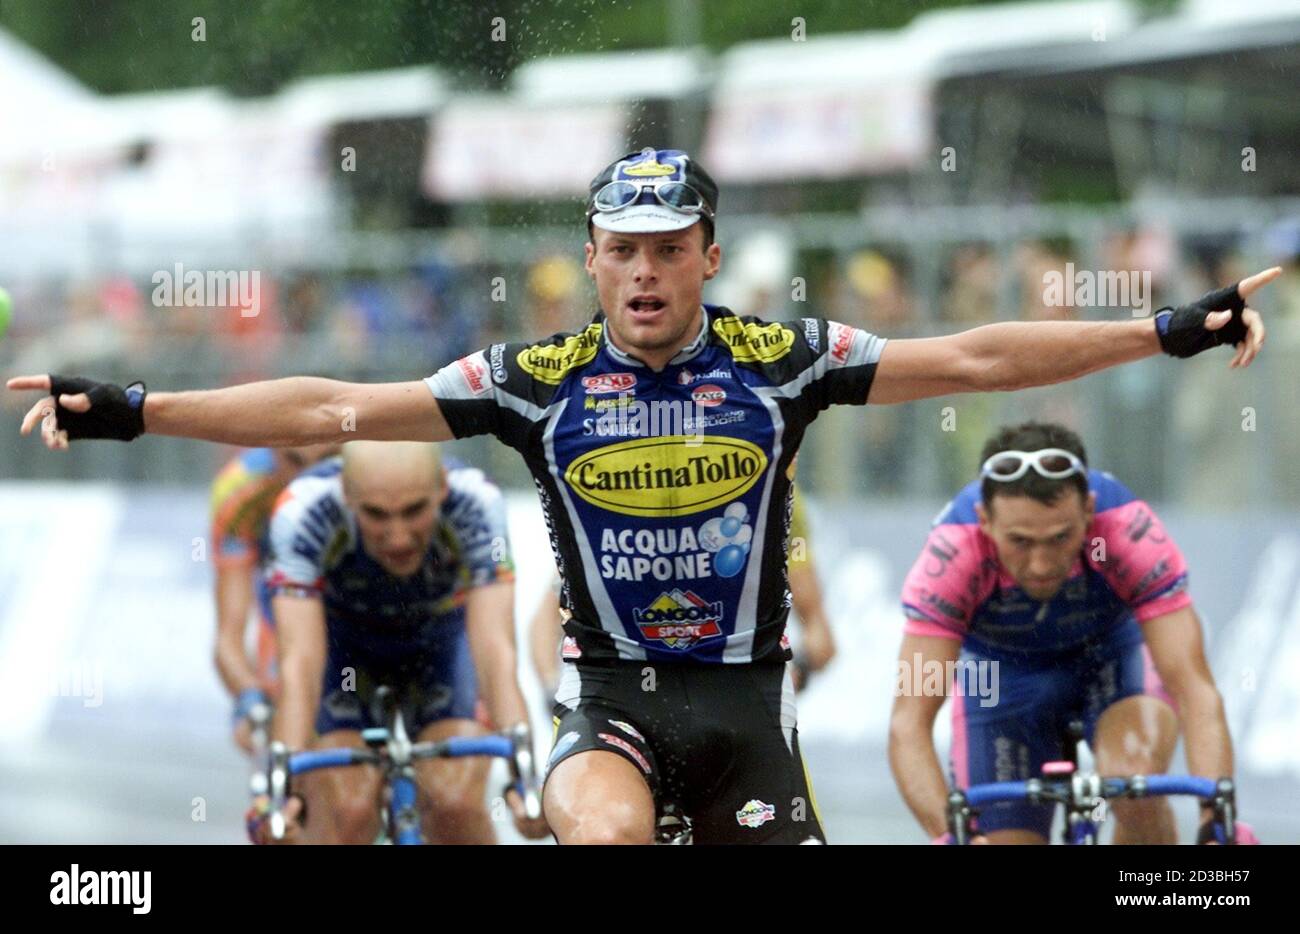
point(388, 567)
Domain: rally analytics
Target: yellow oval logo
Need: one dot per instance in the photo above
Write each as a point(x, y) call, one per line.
point(649, 169)
point(673, 475)
point(550, 363)
point(751, 342)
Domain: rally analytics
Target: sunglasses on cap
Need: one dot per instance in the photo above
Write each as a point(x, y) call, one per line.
point(678, 196)
point(1052, 463)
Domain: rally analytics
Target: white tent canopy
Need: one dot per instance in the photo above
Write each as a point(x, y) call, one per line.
point(556, 126)
point(369, 95)
point(213, 166)
point(645, 74)
point(492, 146)
point(34, 90)
point(849, 104)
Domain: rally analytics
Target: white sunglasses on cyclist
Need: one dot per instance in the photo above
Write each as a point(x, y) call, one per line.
point(1052, 463)
point(678, 196)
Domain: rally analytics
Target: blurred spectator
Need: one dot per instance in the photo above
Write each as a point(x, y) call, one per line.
point(304, 303)
point(971, 297)
point(105, 322)
point(757, 277)
point(876, 297)
point(1034, 263)
point(881, 288)
point(1242, 433)
point(554, 287)
point(1149, 420)
point(349, 337)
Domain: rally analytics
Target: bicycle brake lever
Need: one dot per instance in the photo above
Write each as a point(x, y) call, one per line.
point(524, 770)
point(278, 786)
point(958, 817)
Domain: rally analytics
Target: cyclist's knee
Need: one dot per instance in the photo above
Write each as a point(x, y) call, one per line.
point(598, 797)
point(355, 814)
point(1135, 753)
point(1141, 811)
point(457, 806)
point(607, 824)
point(1135, 736)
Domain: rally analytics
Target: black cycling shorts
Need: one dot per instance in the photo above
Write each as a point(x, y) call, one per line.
point(717, 742)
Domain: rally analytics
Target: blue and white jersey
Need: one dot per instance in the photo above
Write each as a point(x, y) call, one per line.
point(316, 549)
point(667, 494)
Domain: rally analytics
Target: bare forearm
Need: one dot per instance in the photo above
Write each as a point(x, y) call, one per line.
point(505, 702)
point(234, 598)
point(1014, 356)
point(492, 643)
point(1205, 733)
point(544, 639)
point(232, 663)
point(489, 623)
point(919, 777)
point(284, 412)
point(806, 594)
point(299, 698)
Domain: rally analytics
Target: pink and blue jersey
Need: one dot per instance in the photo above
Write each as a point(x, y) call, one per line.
point(1128, 569)
point(1048, 663)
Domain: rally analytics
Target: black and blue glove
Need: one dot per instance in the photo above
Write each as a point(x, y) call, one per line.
point(115, 412)
point(1183, 333)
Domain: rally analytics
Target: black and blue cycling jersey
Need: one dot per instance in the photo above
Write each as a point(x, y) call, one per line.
point(667, 494)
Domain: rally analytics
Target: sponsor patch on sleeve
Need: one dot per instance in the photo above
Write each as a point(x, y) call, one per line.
point(839, 338)
point(474, 370)
point(811, 334)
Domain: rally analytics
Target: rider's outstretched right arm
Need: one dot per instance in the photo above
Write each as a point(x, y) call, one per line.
point(274, 413)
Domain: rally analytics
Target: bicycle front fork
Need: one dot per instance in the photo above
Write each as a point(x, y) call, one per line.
point(403, 813)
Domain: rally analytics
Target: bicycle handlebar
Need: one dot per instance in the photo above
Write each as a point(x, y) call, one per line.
point(1175, 785)
point(1137, 786)
point(512, 747)
point(300, 762)
point(1077, 790)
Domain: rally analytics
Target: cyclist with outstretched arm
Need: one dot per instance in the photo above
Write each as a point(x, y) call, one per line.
point(684, 651)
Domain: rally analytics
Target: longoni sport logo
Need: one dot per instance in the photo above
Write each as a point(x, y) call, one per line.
point(105, 887)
